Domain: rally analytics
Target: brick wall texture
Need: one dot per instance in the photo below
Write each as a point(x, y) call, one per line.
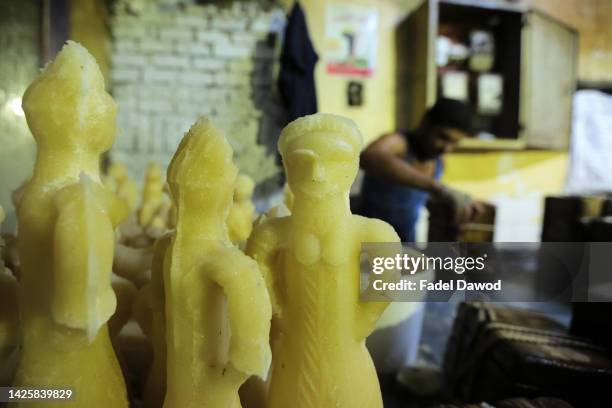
point(172, 64)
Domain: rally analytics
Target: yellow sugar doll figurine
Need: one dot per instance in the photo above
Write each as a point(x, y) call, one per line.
point(120, 182)
point(152, 194)
point(217, 308)
point(66, 237)
point(155, 387)
point(242, 213)
point(310, 260)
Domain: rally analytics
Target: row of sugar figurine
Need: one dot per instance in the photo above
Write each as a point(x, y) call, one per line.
point(285, 310)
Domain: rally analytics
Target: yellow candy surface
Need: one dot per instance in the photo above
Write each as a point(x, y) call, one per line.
point(120, 182)
point(217, 307)
point(155, 388)
point(66, 223)
point(242, 214)
point(152, 194)
point(310, 260)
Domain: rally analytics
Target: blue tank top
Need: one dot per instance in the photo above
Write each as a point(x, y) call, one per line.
point(394, 203)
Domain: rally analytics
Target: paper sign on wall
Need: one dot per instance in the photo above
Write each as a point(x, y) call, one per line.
point(350, 39)
point(490, 94)
point(455, 85)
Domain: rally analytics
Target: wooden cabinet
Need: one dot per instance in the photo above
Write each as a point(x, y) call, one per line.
point(535, 57)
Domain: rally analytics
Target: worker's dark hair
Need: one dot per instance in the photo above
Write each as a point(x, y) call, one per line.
point(451, 113)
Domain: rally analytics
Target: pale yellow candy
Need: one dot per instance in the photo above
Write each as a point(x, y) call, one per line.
point(244, 187)
point(152, 194)
point(126, 292)
point(133, 264)
point(287, 197)
point(120, 182)
point(242, 214)
point(129, 229)
point(159, 223)
point(83, 241)
point(155, 388)
point(311, 260)
point(172, 215)
point(66, 237)
point(217, 307)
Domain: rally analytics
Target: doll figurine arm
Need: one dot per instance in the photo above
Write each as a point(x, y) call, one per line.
point(368, 313)
point(262, 247)
point(249, 312)
point(82, 295)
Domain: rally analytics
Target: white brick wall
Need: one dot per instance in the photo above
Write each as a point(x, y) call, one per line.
point(213, 37)
point(196, 78)
point(128, 59)
point(208, 64)
point(170, 61)
point(176, 33)
point(170, 65)
point(159, 75)
point(121, 75)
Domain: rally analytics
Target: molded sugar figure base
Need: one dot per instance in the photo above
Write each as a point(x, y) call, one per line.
point(310, 260)
point(155, 387)
point(217, 308)
point(66, 237)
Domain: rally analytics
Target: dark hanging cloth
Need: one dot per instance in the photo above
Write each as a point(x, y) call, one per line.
point(296, 81)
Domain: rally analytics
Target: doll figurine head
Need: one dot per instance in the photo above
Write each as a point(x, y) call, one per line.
point(244, 187)
point(67, 107)
point(202, 168)
point(320, 155)
point(118, 172)
point(154, 172)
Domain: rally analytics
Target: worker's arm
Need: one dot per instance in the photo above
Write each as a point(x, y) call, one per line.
point(385, 157)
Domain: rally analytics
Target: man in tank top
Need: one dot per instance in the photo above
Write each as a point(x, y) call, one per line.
point(402, 168)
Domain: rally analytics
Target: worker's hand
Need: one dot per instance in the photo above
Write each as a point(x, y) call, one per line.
point(465, 207)
point(469, 211)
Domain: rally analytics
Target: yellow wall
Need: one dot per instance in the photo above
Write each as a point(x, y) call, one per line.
point(516, 182)
point(377, 115)
point(511, 174)
point(593, 20)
